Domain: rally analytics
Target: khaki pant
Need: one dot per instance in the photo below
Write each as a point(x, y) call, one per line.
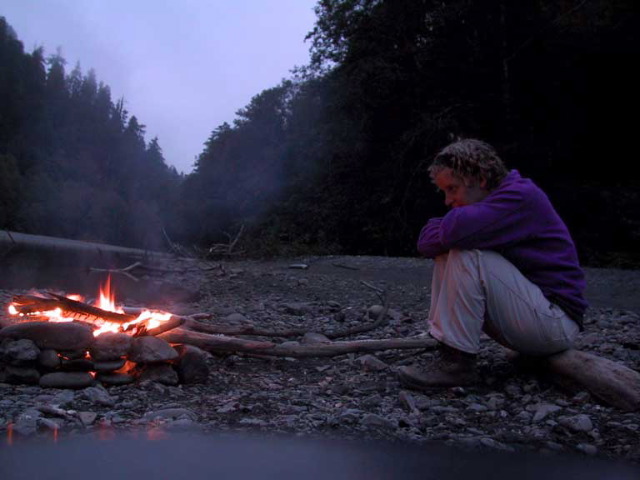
point(479, 290)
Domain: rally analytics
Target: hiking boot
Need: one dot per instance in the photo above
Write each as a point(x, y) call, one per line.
point(453, 369)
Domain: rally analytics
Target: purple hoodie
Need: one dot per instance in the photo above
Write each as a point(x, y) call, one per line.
point(518, 221)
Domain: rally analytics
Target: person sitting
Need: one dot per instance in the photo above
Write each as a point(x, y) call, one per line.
point(505, 264)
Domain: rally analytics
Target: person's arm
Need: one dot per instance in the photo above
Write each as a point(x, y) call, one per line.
point(429, 244)
point(495, 222)
point(492, 223)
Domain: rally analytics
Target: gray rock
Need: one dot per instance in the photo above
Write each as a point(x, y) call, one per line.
point(587, 448)
point(77, 365)
point(542, 410)
point(192, 366)
point(407, 400)
point(87, 418)
point(49, 359)
point(151, 350)
point(491, 443)
point(372, 363)
point(297, 308)
point(313, 338)
point(160, 373)
point(21, 375)
point(26, 423)
point(58, 336)
point(21, 352)
point(50, 424)
point(236, 319)
point(109, 365)
point(66, 380)
point(171, 414)
point(374, 420)
point(98, 395)
point(110, 346)
point(524, 417)
point(477, 407)
point(114, 378)
point(63, 398)
point(577, 423)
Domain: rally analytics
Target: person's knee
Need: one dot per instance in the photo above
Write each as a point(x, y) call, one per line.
point(464, 257)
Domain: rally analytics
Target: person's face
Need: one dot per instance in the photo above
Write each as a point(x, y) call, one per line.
point(459, 192)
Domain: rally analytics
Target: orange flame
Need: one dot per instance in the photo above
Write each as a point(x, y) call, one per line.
point(105, 301)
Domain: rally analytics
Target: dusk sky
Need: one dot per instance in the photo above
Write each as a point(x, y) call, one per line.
point(184, 66)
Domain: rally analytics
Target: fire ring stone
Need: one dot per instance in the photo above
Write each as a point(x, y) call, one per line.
point(58, 336)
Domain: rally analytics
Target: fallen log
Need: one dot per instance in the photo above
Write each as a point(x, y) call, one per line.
point(220, 343)
point(609, 381)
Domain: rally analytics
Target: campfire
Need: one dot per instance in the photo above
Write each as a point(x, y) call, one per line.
point(104, 316)
point(62, 341)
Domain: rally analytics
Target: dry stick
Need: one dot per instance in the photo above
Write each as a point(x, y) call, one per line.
point(226, 248)
point(220, 343)
point(347, 267)
point(121, 271)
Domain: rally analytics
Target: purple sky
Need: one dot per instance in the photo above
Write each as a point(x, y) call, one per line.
point(182, 66)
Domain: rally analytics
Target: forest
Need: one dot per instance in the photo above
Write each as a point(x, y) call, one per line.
point(333, 160)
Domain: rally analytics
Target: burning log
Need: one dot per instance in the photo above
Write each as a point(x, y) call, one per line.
point(58, 308)
point(33, 305)
point(174, 322)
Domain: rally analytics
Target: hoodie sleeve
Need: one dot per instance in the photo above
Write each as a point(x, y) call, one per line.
point(429, 244)
point(495, 222)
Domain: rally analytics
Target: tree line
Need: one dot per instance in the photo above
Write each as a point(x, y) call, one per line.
point(334, 159)
point(74, 163)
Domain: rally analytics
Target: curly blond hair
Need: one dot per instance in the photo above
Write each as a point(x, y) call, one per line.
point(470, 159)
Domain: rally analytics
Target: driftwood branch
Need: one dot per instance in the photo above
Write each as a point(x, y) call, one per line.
point(226, 249)
point(220, 343)
point(126, 271)
point(609, 381)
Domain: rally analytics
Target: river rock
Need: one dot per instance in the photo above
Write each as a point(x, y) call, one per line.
point(115, 378)
point(110, 346)
point(313, 338)
point(170, 414)
point(577, 423)
point(66, 380)
point(27, 422)
point(87, 418)
point(58, 336)
point(20, 352)
point(372, 363)
point(297, 308)
point(109, 365)
point(98, 395)
point(76, 365)
point(191, 365)
point(160, 373)
point(235, 319)
point(151, 350)
point(49, 359)
point(21, 375)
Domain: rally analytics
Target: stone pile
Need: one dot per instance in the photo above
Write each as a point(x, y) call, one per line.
point(67, 355)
